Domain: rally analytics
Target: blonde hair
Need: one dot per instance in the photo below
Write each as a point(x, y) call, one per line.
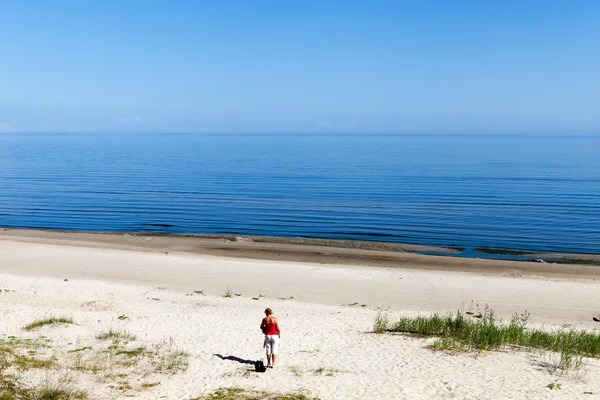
point(268, 311)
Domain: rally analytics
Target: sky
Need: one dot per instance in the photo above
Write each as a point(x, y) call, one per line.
point(392, 67)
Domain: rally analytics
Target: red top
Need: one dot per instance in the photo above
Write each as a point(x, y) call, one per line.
point(271, 329)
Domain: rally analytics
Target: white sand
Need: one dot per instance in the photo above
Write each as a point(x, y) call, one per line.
point(317, 330)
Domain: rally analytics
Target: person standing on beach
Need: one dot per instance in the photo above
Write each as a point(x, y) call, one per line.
point(270, 327)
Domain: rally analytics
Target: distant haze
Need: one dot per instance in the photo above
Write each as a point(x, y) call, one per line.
point(421, 67)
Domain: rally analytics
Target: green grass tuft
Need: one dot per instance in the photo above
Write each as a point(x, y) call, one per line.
point(554, 386)
point(381, 323)
point(115, 335)
point(138, 352)
point(245, 394)
point(80, 349)
point(47, 321)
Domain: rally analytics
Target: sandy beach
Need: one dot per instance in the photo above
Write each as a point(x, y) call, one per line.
point(169, 293)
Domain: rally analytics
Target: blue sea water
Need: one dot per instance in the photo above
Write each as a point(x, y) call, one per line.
point(529, 193)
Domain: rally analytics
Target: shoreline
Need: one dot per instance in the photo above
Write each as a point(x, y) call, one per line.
point(321, 251)
point(490, 253)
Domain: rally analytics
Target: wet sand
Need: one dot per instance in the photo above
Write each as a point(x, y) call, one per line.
point(321, 251)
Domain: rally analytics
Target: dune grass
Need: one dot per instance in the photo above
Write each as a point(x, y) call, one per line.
point(21, 354)
point(485, 332)
point(23, 362)
point(112, 334)
point(169, 359)
point(47, 321)
point(157, 358)
point(124, 367)
point(12, 388)
point(246, 394)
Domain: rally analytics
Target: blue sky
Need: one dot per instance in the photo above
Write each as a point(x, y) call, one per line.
point(474, 67)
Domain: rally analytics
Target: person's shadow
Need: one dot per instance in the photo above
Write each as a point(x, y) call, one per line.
point(234, 358)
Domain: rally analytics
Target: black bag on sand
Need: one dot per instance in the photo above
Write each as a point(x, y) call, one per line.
point(259, 366)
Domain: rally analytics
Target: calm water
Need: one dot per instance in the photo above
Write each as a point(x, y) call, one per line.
point(514, 193)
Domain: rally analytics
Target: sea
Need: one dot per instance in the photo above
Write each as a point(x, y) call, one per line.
point(506, 193)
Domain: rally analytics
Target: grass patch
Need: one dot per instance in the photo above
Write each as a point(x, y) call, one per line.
point(13, 388)
point(140, 351)
point(161, 358)
point(195, 292)
point(554, 386)
point(113, 361)
point(12, 342)
point(326, 371)
point(25, 363)
point(22, 354)
point(169, 359)
point(115, 335)
point(47, 321)
point(229, 294)
point(245, 394)
point(464, 332)
point(80, 349)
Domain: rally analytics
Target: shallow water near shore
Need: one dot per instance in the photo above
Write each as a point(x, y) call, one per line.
point(530, 194)
point(473, 253)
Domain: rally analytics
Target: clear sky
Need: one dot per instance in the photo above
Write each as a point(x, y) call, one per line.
point(508, 67)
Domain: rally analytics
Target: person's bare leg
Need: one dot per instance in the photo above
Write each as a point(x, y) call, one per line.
point(269, 360)
point(274, 356)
